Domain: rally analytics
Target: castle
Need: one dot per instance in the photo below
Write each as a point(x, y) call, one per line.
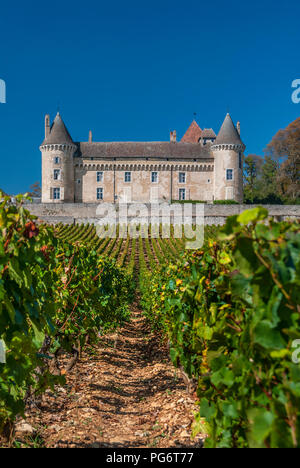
point(202, 166)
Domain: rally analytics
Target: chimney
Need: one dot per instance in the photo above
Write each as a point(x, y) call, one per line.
point(47, 125)
point(90, 136)
point(238, 127)
point(173, 136)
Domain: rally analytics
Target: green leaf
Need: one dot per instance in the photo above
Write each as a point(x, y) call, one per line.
point(39, 335)
point(229, 410)
point(254, 215)
point(260, 422)
point(10, 309)
point(268, 337)
point(207, 410)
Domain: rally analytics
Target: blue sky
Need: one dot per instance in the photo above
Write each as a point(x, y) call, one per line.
point(135, 70)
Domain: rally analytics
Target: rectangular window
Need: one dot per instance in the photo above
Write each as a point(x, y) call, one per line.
point(99, 176)
point(127, 177)
point(240, 160)
point(56, 174)
point(182, 177)
point(229, 174)
point(99, 193)
point(154, 177)
point(56, 193)
point(181, 194)
point(57, 160)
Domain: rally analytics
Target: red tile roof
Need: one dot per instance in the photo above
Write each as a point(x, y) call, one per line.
point(192, 134)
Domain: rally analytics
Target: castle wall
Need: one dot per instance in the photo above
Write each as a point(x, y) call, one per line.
point(69, 213)
point(198, 185)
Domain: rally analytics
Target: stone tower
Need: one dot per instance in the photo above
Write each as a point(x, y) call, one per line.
point(58, 151)
point(228, 152)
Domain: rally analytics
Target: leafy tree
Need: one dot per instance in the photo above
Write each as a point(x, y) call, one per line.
point(269, 175)
point(285, 149)
point(35, 190)
point(252, 171)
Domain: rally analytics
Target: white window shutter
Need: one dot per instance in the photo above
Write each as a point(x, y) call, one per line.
point(229, 193)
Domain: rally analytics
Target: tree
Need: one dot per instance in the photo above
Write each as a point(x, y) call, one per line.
point(285, 149)
point(269, 175)
point(35, 190)
point(252, 172)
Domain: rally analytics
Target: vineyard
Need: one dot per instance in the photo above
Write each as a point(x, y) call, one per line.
point(227, 314)
point(136, 250)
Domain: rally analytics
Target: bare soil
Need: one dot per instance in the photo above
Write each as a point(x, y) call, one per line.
point(124, 392)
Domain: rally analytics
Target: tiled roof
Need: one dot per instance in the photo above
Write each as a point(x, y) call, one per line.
point(208, 133)
point(160, 150)
point(192, 134)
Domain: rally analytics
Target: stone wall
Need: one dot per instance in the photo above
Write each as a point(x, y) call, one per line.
point(198, 185)
point(77, 213)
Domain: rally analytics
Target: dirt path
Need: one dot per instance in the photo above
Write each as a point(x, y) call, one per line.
point(124, 393)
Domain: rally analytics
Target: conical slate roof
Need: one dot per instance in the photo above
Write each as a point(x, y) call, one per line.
point(59, 134)
point(228, 134)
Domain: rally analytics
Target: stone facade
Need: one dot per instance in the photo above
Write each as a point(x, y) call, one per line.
point(202, 166)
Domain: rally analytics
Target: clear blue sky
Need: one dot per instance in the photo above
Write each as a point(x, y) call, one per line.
point(134, 70)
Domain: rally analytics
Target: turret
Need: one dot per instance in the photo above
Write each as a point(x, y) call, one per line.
point(228, 153)
point(58, 151)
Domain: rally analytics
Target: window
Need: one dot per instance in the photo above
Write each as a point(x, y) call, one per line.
point(56, 193)
point(181, 194)
point(229, 174)
point(78, 181)
point(56, 160)
point(99, 176)
point(127, 177)
point(56, 174)
point(99, 193)
point(182, 177)
point(154, 177)
point(208, 181)
point(240, 160)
